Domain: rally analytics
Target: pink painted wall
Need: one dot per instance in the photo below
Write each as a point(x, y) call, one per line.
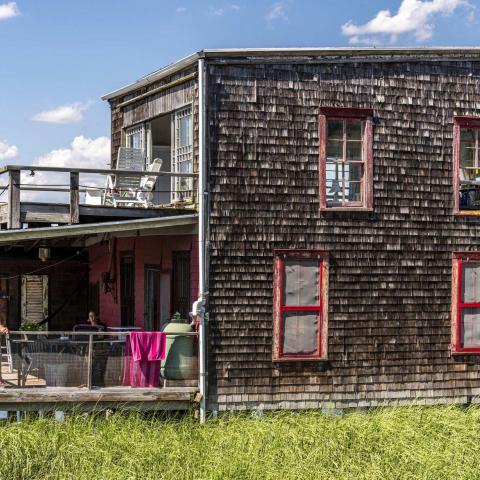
point(155, 250)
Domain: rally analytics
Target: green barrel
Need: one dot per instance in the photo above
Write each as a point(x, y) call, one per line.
point(181, 361)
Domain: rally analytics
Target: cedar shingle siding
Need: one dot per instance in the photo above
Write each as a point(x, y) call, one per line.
point(389, 291)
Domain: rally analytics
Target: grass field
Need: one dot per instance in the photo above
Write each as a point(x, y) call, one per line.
point(396, 443)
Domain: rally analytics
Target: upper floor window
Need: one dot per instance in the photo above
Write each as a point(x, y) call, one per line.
point(345, 159)
point(466, 165)
point(300, 304)
point(182, 154)
point(466, 303)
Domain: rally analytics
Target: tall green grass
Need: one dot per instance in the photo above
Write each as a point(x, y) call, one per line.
point(391, 443)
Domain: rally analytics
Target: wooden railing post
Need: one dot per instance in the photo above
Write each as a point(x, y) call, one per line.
point(74, 198)
point(13, 199)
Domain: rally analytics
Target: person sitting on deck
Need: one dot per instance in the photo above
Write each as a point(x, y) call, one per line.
point(3, 331)
point(94, 321)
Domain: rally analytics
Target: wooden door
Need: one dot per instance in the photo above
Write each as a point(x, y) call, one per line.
point(34, 298)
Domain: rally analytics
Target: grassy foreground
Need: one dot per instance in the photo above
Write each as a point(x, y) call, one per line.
point(396, 443)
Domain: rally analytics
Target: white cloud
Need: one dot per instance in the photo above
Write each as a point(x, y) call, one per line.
point(413, 17)
point(9, 10)
point(7, 151)
point(82, 153)
point(181, 10)
point(277, 12)
point(71, 113)
point(222, 10)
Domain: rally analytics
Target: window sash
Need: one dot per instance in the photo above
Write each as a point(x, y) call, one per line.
point(362, 198)
point(461, 306)
point(320, 309)
point(182, 154)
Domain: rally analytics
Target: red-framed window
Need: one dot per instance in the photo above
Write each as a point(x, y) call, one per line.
point(346, 152)
point(300, 305)
point(466, 303)
point(466, 161)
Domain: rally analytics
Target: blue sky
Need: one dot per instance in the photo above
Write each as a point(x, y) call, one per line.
point(57, 57)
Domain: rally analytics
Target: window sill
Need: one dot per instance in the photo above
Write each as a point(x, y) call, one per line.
point(299, 359)
point(467, 213)
point(461, 353)
point(347, 209)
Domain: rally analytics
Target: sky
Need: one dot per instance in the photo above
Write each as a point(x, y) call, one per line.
point(57, 57)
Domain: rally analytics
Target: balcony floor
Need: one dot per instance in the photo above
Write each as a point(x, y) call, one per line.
point(37, 396)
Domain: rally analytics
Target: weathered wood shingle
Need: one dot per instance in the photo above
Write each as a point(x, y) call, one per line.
point(389, 308)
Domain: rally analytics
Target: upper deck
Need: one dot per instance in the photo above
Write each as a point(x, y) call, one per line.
point(28, 201)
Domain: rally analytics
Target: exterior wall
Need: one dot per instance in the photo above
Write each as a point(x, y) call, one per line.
point(67, 280)
point(161, 103)
point(390, 270)
point(147, 251)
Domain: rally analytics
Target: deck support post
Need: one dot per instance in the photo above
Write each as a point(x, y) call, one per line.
point(89, 361)
point(13, 199)
point(74, 198)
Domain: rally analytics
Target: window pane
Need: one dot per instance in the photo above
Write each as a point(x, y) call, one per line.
point(467, 155)
point(471, 283)
point(333, 185)
point(354, 151)
point(353, 182)
point(335, 129)
point(467, 135)
point(299, 333)
point(334, 150)
point(301, 282)
point(185, 127)
point(470, 327)
point(354, 129)
point(186, 167)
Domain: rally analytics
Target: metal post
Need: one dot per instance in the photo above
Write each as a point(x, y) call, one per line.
point(89, 361)
point(74, 198)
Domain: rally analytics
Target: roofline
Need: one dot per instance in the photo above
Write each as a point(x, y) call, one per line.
point(281, 52)
point(45, 233)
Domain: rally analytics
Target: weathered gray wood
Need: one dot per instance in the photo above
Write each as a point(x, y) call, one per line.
point(110, 394)
point(14, 199)
point(74, 198)
point(38, 217)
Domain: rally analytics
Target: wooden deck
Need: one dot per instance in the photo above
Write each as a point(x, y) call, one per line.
point(37, 396)
point(58, 213)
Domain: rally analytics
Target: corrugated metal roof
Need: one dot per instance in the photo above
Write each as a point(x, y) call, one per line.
point(11, 236)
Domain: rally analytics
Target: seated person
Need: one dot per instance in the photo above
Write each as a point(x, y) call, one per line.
point(94, 321)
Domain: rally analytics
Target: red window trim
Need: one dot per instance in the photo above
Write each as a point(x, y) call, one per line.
point(460, 122)
point(279, 308)
point(347, 113)
point(459, 259)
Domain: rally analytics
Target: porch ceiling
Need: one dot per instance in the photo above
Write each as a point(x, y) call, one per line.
point(181, 224)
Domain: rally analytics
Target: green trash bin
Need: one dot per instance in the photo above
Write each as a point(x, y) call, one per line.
point(181, 360)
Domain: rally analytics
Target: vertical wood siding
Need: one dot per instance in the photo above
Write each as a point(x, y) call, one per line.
point(390, 270)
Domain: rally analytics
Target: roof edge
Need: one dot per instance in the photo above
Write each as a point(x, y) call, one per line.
point(282, 52)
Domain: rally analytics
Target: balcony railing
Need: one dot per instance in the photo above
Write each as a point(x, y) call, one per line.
point(92, 360)
point(13, 214)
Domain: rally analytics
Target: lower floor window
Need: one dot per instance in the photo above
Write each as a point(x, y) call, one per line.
point(466, 303)
point(300, 304)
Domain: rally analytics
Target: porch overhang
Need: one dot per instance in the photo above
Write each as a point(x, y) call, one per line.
point(180, 224)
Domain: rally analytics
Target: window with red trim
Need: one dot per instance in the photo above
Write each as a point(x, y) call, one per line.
point(467, 165)
point(466, 303)
point(345, 159)
point(300, 305)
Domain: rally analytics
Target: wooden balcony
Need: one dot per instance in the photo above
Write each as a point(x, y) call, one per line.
point(15, 212)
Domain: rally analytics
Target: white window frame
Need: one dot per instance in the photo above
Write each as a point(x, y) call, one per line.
point(182, 154)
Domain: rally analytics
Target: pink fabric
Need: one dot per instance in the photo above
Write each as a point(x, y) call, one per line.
point(143, 352)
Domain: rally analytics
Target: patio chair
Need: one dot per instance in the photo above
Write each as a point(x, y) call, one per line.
point(147, 183)
point(124, 188)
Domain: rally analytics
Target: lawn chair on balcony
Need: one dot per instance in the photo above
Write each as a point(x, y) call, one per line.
point(147, 183)
point(123, 188)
